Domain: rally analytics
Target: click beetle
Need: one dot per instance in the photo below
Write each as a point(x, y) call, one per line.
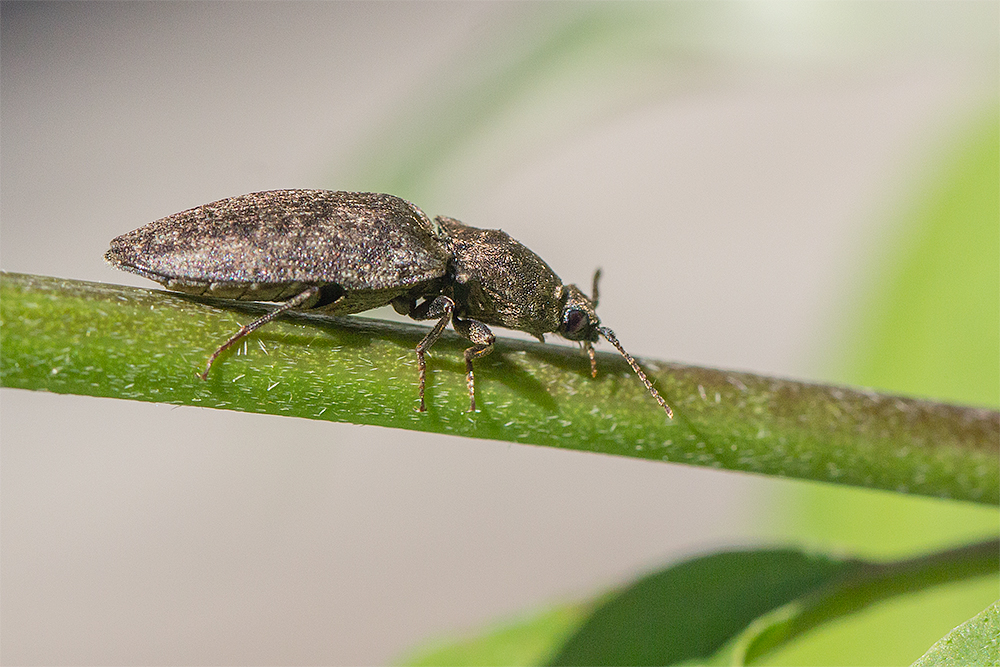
point(348, 252)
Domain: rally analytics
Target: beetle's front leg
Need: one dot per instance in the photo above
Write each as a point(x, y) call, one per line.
point(440, 307)
point(482, 338)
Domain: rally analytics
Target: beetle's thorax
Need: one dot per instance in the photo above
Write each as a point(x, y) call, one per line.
point(498, 281)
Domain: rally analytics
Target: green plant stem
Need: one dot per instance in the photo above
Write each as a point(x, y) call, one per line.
point(93, 339)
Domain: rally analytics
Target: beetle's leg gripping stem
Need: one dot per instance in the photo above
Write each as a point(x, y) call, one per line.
point(483, 338)
point(441, 307)
point(294, 302)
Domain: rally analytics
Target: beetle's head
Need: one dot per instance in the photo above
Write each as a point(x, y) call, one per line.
point(579, 319)
point(579, 322)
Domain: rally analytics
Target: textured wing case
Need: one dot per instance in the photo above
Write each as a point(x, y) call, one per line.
point(278, 240)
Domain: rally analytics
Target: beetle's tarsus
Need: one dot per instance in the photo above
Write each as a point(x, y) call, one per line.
point(470, 379)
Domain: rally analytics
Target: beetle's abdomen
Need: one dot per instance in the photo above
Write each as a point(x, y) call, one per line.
point(241, 291)
point(333, 299)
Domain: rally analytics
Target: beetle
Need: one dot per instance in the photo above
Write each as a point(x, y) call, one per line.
point(348, 252)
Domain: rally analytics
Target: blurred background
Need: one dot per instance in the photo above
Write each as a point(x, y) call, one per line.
point(785, 188)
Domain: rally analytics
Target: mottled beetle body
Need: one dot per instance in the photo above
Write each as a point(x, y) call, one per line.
point(348, 252)
point(361, 249)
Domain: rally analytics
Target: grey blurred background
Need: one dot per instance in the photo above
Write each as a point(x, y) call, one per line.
point(727, 164)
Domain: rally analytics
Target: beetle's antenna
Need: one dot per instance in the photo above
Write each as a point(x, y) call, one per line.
point(610, 335)
point(593, 292)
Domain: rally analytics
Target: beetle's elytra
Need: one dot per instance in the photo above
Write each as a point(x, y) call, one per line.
point(347, 252)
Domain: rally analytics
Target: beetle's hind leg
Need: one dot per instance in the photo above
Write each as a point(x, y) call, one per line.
point(294, 302)
point(440, 307)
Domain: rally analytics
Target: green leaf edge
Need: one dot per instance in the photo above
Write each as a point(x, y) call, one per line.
point(870, 583)
point(975, 643)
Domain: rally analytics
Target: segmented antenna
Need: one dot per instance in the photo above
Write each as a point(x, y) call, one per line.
point(610, 335)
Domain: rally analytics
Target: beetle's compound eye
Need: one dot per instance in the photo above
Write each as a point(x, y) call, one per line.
point(576, 324)
point(578, 321)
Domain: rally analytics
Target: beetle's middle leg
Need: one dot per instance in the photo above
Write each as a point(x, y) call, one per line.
point(482, 339)
point(440, 307)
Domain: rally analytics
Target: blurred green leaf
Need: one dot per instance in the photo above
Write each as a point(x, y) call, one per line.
point(570, 65)
point(573, 65)
point(931, 323)
point(720, 609)
point(692, 609)
point(529, 641)
point(871, 583)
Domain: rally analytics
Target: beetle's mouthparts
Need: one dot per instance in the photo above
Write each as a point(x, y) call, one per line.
point(610, 335)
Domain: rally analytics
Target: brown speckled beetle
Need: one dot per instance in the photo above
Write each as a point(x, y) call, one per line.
point(347, 252)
